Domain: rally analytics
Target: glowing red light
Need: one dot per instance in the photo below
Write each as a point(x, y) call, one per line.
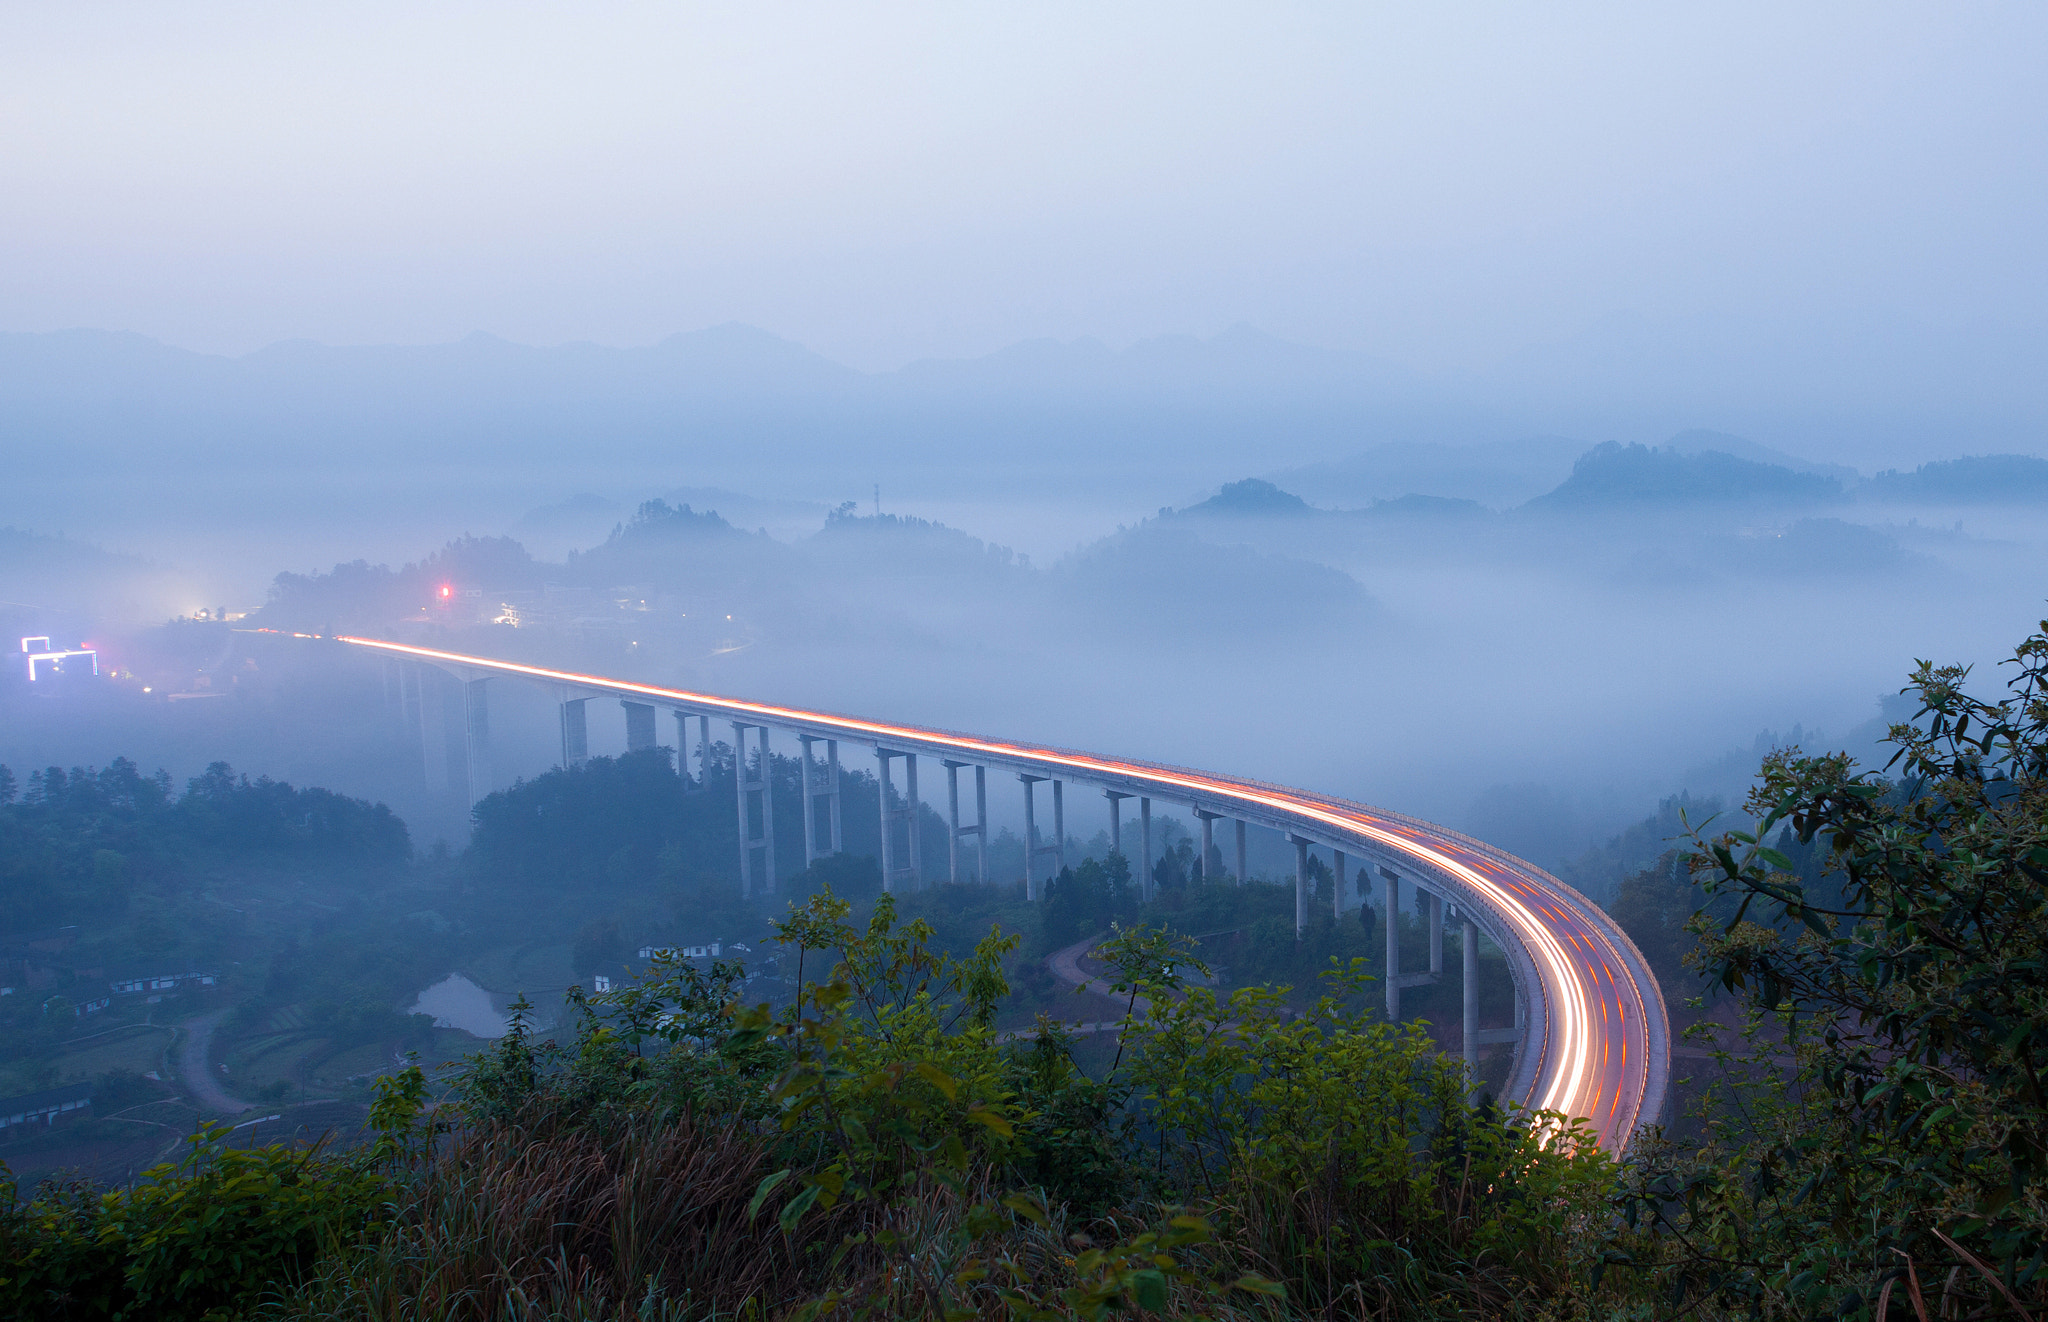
point(447, 591)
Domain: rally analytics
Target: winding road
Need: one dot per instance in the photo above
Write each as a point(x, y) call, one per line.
point(193, 1056)
point(1596, 1039)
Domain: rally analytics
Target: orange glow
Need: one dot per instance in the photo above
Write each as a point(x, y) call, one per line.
point(1582, 1057)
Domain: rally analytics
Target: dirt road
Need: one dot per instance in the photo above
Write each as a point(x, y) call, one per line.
point(199, 1075)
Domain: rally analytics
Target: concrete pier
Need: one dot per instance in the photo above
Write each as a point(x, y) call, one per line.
point(639, 725)
point(1469, 974)
point(1300, 885)
point(1337, 875)
point(751, 781)
point(1116, 819)
point(575, 732)
point(1242, 876)
point(821, 781)
point(1208, 839)
point(701, 781)
point(1033, 850)
point(1145, 847)
point(980, 828)
point(1390, 898)
point(431, 707)
point(907, 866)
point(1397, 980)
point(477, 730)
point(1059, 825)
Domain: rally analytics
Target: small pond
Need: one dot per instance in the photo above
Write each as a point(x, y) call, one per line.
point(456, 1002)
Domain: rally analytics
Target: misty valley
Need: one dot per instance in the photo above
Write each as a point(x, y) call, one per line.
point(372, 878)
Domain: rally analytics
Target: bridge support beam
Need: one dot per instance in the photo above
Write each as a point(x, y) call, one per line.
point(1300, 885)
point(639, 725)
point(575, 732)
point(1397, 980)
point(1436, 933)
point(1145, 847)
point(821, 781)
point(1241, 875)
point(748, 783)
point(980, 828)
point(1208, 839)
point(477, 729)
point(702, 780)
point(1059, 825)
point(1469, 974)
point(1116, 819)
point(910, 868)
point(1390, 891)
point(1033, 850)
point(1337, 874)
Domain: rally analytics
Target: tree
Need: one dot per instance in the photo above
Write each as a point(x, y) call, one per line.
point(1902, 970)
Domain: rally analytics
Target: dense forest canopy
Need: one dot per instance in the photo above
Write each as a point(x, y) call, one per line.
point(73, 843)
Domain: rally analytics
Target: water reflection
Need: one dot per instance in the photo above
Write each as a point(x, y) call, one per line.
point(456, 1002)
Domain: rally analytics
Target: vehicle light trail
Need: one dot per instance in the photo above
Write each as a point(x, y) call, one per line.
point(1596, 1027)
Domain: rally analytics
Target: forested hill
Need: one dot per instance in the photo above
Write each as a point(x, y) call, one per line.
point(75, 844)
point(1614, 474)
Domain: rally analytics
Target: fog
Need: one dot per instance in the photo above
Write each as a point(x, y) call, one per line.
point(281, 292)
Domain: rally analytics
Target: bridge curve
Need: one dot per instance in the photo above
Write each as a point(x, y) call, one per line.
point(1592, 1037)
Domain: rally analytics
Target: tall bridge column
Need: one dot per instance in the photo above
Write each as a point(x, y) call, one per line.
point(1116, 819)
point(1475, 1036)
point(813, 773)
point(1300, 885)
point(1397, 980)
point(1469, 975)
point(1208, 837)
point(832, 804)
point(639, 724)
point(980, 828)
point(477, 727)
point(1390, 892)
point(1436, 933)
point(1059, 825)
point(1145, 847)
point(891, 872)
point(430, 701)
point(1032, 849)
point(1241, 875)
point(1337, 874)
point(760, 782)
point(807, 778)
point(575, 732)
point(702, 780)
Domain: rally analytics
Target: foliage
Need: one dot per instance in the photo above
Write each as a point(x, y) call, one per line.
point(1900, 980)
point(200, 1239)
point(75, 844)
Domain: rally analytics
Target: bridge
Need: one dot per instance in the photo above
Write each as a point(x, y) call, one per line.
point(1590, 1035)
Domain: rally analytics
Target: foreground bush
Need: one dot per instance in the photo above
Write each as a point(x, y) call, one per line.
point(1882, 1142)
point(879, 1150)
point(202, 1239)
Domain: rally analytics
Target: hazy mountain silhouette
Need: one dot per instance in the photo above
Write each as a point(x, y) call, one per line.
point(1976, 479)
point(1252, 498)
point(1613, 474)
point(1498, 473)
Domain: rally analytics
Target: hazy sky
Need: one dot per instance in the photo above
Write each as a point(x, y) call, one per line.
point(1443, 184)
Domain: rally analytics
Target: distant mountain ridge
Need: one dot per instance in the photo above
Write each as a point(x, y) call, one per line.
point(1973, 479)
point(728, 361)
point(1614, 474)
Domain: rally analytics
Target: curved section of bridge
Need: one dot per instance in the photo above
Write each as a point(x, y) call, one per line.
point(1591, 1036)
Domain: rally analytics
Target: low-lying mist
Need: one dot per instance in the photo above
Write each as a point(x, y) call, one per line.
point(1637, 622)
